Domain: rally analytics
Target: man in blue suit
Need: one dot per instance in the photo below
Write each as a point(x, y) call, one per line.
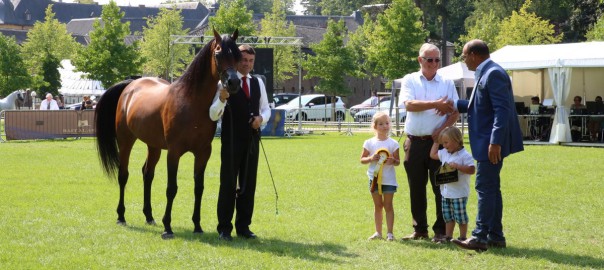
point(494, 134)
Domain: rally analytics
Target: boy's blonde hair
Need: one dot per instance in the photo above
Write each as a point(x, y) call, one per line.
point(453, 133)
point(377, 116)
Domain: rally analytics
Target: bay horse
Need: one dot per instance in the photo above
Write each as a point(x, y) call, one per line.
point(166, 116)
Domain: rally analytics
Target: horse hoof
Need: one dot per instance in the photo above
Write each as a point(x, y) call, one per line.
point(151, 222)
point(121, 223)
point(167, 236)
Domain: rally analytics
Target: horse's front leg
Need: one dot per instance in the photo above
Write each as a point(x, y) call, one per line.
point(201, 160)
point(171, 190)
point(148, 170)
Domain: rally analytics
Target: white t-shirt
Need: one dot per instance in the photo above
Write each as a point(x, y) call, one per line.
point(416, 87)
point(389, 174)
point(460, 188)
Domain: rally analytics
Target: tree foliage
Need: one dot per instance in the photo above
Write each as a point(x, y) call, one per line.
point(231, 16)
point(332, 62)
point(13, 74)
point(47, 39)
point(161, 56)
point(51, 76)
point(274, 24)
point(358, 42)
point(107, 58)
point(486, 28)
point(525, 28)
point(396, 40)
point(583, 15)
point(596, 32)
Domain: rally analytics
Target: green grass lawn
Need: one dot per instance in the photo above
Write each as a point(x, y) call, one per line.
point(58, 212)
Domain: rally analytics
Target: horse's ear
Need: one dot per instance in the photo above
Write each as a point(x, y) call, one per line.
point(216, 36)
point(235, 34)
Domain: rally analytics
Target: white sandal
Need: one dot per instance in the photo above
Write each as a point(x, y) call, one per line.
point(375, 236)
point(390, 237)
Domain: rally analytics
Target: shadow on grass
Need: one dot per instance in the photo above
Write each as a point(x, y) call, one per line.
point(321, 252)
point(528, 253)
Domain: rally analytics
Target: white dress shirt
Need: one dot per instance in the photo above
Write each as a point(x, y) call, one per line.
point(53, 105)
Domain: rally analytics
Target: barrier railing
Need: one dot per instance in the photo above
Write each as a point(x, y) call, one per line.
point(31, 124)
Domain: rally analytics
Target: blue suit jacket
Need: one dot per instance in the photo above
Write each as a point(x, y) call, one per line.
point(492, 117)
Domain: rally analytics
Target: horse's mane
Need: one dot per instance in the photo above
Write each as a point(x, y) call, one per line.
point(192, 78)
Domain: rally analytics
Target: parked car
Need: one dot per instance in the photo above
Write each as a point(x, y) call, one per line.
point(283, 98)
point(74, 106)
point(365, 105)
point(314, 107)
point(366, 115)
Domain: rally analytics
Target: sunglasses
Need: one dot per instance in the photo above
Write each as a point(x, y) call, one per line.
point(430, 60)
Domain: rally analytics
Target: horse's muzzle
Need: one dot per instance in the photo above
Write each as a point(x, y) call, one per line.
point(231, 81)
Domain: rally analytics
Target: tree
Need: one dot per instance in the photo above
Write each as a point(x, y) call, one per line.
point(358, 44)
point(161, 56)
point(107, 58)
point(332, 62)
point(597, 31)
point(396, 40)
point(13, 74)
point(486, 28)
point(275, 25)
point(583, 14)
point(47, 39)
point(231, 16)
point(525, 28)
point(51, 76)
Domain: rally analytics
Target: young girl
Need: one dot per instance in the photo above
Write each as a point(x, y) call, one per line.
point(381, 152)
point(454, 195)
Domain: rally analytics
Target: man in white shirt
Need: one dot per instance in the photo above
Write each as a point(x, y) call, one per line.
point(242, 115)
point(422, 93)
point(49, 103)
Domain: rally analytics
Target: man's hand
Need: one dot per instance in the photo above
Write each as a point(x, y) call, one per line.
point(494, 153)
point(224, 94)
point(443, 106)
point(257, 122)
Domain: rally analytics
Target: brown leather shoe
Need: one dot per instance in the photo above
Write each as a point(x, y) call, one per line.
point(471, 243)
point(415, 236)
point(497, 244)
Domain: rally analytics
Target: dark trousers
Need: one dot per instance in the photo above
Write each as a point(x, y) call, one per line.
point(237, 162)
point(490, 202)
point(420, 167)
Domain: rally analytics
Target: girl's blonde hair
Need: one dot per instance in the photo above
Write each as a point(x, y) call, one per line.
point(453, 133)
point(377, 116)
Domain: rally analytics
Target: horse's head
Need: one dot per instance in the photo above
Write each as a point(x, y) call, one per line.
point(227, 55)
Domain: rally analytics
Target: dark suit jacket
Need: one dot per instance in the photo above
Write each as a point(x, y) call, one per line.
point(492, 117)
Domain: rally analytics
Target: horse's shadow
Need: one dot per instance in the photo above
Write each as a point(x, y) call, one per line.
point(322, 252)
point(555, 257)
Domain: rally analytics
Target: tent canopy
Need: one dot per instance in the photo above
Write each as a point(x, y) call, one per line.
point(74, 84)
point(457, 72)
point(518, 57)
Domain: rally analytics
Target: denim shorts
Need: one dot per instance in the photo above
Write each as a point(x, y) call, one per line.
point(386, 189)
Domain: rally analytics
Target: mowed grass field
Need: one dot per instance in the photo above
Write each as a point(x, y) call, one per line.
point(57, 211)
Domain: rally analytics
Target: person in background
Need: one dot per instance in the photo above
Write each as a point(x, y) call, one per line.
point(494, 134)
point(86, 103)
point(595, 124)
point(381, 173)
point(577, 108)
point(49, 103)
point(59, 102)
point(374, 99)
point(240, 136)
point(421, 94)
point(455, 194)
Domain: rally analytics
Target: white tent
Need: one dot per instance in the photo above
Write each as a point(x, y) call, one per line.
point(460, 74)
point(74, 85)
point(559, 60)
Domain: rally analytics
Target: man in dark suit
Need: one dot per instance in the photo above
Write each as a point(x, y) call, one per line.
point(245, 112)
point(494, 134)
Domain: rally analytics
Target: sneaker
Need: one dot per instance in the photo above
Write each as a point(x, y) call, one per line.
point(375, 236)
point(439, 238)
point(444, 240)
point(390, 237)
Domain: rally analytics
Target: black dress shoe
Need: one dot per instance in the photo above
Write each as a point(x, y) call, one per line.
point(471, 243)
point(247, 234)
point(225, 236)
point(497, 244)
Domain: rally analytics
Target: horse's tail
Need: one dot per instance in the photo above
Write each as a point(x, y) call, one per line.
point(106, 140)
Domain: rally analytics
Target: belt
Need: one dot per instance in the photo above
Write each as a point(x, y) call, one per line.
point(419, 138)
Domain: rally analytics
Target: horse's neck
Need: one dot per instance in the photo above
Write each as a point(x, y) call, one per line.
point(10, 98)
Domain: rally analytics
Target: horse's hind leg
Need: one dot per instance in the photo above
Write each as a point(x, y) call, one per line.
point(201, 160)
point(125, 147)
point(148, 170)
